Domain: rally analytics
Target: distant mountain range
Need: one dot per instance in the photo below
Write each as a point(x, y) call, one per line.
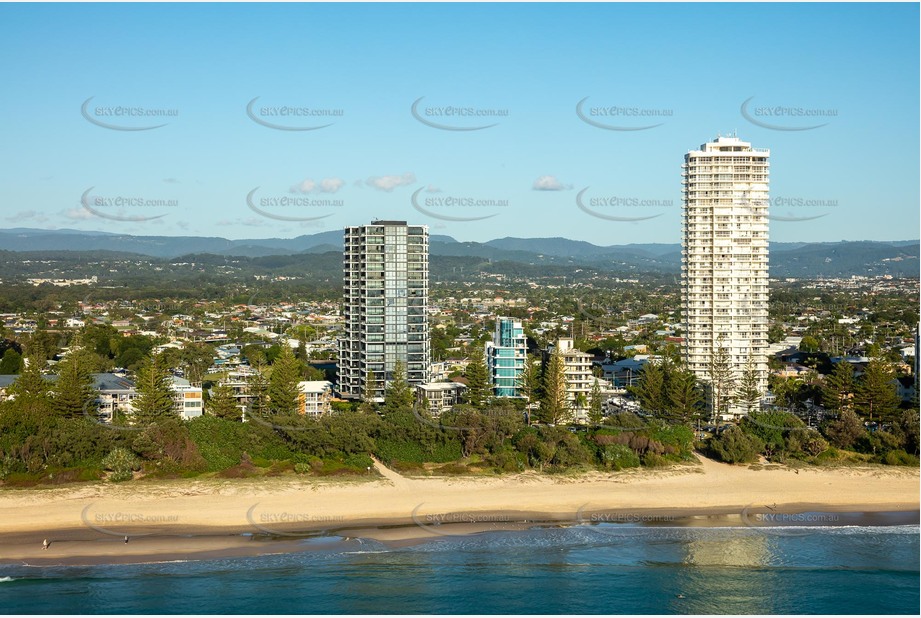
point(830, 259)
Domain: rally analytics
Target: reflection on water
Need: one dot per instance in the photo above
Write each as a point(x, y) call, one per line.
point(731, 548)
point(583, 569)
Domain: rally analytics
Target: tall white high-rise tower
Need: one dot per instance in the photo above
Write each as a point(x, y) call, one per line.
point(724, 263)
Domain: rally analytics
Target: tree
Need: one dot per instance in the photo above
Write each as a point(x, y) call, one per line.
point(776, 333)
point(748, 393)
point(223, 404)
point(196, 358)
point(477, 379)
point(595, 415)
point(11, 363)
point(554, 406)
point(877, 397)
point(398, 395)
point(528, 382)
point(31, 382)
point(286, 373)
point(367, 397)
point(906, 427)
point(845, 430)
point(155, 394)
point(809, 344)
point(721, 381)
point(258, 387)
point(302, 349)
point(735, 446)
point(684, 396)
point(73, 390)
point(650, 388)
point(839, 387)
point(122, 463)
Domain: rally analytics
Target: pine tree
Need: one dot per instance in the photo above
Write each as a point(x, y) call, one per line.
point(31, 382)
point(650, 388)
point(283, 392)
point(367, 397)
point(302, 349)
point(554, 406)
point(477, 379)
point(594, 407)
point(73, 392)
point(839, 387)
point(258, 387)
point(684, 396)
point(398, 396)
point(877, 397)
point(31, 392)
point(722, 382)
point(528, 381)
point(748, 393)
point(223, 404)
point(155, 394)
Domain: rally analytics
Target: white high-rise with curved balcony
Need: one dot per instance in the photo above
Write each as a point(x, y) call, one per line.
point(724, 263)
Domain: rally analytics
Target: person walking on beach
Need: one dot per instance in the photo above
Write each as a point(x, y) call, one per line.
point(126, 539)
point(45, 544)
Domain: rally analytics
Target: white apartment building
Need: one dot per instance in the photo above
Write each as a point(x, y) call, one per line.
point(724, 263)
point(187, 399)
point(385, 294)
point(314, 397)
point(577, 367)
point(441, 396)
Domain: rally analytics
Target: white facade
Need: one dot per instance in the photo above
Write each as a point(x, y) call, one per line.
point(724, 264)
point(187, 399)
point(385, 301)
point(577, 367)
point(314, 397)
point(441, 396)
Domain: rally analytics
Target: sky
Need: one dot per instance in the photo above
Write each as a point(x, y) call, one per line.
point(479, 120)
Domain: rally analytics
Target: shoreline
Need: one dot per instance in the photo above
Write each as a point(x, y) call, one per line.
point(206, 519)
point(86, 547)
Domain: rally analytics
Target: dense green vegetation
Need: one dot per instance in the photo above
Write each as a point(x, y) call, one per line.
point(781, 437)
point(49, 433)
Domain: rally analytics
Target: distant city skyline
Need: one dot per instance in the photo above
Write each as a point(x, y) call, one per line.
point(529, 120)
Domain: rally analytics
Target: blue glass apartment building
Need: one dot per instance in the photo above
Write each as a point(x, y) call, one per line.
point(505, 357)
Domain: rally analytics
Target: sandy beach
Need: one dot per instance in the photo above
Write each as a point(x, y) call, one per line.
point(204, 518)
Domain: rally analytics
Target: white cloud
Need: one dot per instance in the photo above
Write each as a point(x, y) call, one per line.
point(305, 186)
point(549, 183)
point(389, 183)
point(24, 215)
point(432, 189)
point(314, 225)
point(331, 185)
point(78, 214)
point(250, 222)
point(327, 185)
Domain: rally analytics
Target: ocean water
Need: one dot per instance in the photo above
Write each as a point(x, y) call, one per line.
point(591, 569)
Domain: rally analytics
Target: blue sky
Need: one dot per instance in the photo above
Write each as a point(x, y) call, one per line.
point(689, 68)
